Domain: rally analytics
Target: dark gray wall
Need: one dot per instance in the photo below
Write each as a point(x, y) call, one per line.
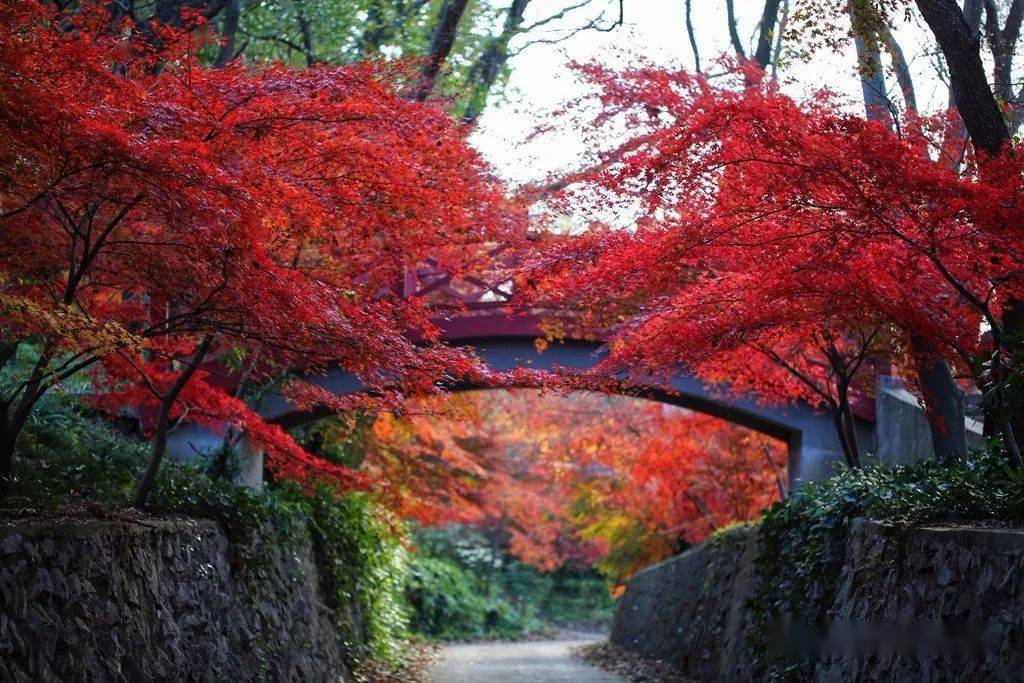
point(158, 600)
point(954, 598)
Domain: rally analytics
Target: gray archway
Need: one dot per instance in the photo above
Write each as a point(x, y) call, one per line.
point(814, 448)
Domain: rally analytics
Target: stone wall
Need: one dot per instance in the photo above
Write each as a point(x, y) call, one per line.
point(902, 433)
point(94, 600)
point(926, 604)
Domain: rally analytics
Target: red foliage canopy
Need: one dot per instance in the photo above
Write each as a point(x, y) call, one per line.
point(149, 203)
point(776, 243)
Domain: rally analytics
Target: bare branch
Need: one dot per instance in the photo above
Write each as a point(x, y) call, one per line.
point(592, 25)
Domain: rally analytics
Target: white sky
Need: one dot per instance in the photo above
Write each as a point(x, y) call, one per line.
point(656, 29)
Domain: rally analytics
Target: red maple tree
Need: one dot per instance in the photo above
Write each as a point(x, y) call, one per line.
point(777, 243)
point(158, 213)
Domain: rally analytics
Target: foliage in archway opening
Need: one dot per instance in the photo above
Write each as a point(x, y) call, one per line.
point(604, 481)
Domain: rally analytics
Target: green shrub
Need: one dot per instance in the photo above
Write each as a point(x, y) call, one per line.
point(463, 584)
point(447, 603)
point(363, 563)
point(577, 598)
point(444, 599)
point(67, 452)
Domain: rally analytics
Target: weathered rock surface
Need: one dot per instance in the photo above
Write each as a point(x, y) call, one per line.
point(159, 600)
point(923, 605)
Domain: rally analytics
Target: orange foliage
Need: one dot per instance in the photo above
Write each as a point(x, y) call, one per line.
point(584, 477)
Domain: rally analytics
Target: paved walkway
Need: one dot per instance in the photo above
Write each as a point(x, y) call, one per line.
point(527, 662)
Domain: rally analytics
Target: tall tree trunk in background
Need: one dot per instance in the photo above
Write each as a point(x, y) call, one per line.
point(1003, 42)
point(484, 73)
point(306, 33)
point(960, 43)
point(767, 29)
point(229, 30)
point(766, 34)
point(944, 404)
point(691, 35)
point(384, 20)
point(169, 11)
point(869, 65)
point(373, 34)
point(961, 47)
point(902, 69)
point(734, 36)
point(440, 46)
point(954, 147)
point(972, 14)
point(779, 36)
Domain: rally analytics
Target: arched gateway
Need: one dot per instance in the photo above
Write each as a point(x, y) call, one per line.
point(472, 312)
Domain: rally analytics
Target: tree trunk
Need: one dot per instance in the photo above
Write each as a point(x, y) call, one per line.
point(306, 33)
point(14, 415)
point(849, 428)
point(960, 43)
point(872, 80)
point(373, 34)
point(1010, 444)
point(169, 11)
point(229, 30)
point(487, 68)
point(943, 400)
point(440, 46)
point(775, 471)
point(944, 404)
point(769, 22)
point(968, 82)
point(8, 351)
point(1003, 42)
point(869, 66)
point(849, 454)
point(7, 440)
point(163, 422)
point(734, 36)
point(780, 34)
point(691, 35)
point(902, 69)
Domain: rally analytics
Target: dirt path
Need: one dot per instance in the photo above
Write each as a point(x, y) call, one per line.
point(527, 662)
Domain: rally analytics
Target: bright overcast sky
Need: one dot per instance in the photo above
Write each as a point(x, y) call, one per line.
point(656, 29)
